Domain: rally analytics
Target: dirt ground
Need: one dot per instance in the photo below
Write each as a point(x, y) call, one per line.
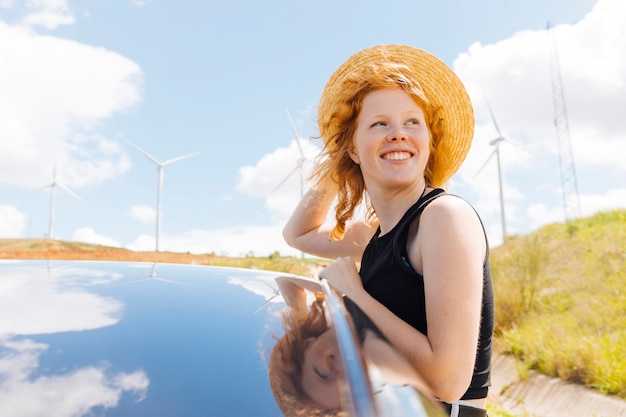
point(44, 249)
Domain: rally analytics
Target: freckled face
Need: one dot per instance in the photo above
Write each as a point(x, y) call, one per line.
point(391, 142)
point(322, 370)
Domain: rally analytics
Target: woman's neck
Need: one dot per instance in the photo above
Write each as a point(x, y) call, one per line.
point(391, 206)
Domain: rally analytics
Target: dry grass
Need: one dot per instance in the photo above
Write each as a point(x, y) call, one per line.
point(561, 300)
point(44, 249)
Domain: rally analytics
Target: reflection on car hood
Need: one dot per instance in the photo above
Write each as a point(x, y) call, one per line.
point(135, 339)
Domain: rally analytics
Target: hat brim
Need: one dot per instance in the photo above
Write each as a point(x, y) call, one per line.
point(440, 84)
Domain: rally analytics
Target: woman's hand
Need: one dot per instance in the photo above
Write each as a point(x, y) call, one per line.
point(343, 277)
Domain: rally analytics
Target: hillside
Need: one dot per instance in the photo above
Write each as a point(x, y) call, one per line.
point(561, 300)
point(60, 250)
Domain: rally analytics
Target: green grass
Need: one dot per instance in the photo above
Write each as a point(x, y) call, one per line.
point(274, 262)
point(561, 300)
point(496, 411)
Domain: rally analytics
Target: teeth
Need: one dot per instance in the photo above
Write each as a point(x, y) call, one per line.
point(397, 155)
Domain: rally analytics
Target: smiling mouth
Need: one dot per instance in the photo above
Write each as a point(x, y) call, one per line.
point(397, 156)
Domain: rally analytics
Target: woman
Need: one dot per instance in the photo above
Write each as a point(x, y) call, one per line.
point(396, 124)
point(305, 350)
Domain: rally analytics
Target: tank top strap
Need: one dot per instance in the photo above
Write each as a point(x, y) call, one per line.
point(400, 236)
point(417, 208)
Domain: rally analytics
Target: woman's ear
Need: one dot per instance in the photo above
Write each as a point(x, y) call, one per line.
point(353, 155)
point(309, 341)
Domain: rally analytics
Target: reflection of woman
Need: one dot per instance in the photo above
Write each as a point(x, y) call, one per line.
point(396, 124)
point(305, 370)
point(305, 387)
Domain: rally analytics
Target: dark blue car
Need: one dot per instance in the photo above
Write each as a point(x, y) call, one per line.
point(138, 339)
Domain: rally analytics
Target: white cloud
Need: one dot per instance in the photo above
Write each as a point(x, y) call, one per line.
point(88, 235)
point(48, 13)
point(55, 92)
point(541, 215)
point(232, 241)
point(143, 243)
point(12, 222)
point(74, 393)
point(611, 200)
point(26, 296)
point(141, 3)
point(145, 214)
point(277, 177)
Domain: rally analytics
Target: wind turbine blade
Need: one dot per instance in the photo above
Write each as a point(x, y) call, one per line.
point(169, 281)
point(180, 158)
point(70, 192)
point(151, 278)
point(134, 281)
point(293, 171)
point(519, 146)
point(274, 290)
point(266, 302)
point(52, 184)
point(493, 118)
point(486, 161)
point(144, 153)
point(295, 132)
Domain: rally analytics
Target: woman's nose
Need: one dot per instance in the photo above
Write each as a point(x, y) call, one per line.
point(332, 364)
point(396, 133)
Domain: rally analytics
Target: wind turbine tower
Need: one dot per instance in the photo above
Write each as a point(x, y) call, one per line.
point(569, 185)
point(299, 164)
point(160, 165)
point(496, 144)
point(53, 187)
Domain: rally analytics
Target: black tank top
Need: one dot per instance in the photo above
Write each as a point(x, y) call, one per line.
point(389, 278)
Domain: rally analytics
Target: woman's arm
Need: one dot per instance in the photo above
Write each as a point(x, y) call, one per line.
point(450, 249)
point(294, 291)
point(308, 230)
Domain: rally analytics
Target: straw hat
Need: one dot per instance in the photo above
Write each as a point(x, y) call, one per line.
point(441, 86)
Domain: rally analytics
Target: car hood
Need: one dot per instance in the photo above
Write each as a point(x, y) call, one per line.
point(121, 339)
point(110, 339)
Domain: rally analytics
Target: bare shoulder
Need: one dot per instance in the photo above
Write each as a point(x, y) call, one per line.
point(450, 207)
point(450, 215)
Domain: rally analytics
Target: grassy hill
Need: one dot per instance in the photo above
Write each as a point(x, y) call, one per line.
point(55, 249)
point(561, 300)
point(560, 292)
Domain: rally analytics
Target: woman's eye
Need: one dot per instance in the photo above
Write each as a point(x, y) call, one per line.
point(412, 122)
point(380, 123)
point(322, 376)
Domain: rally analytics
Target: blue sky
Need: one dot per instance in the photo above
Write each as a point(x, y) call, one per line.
point(79, 79)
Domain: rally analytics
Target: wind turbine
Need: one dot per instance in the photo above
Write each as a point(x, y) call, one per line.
point(299, 163)
point(53, 185)
point(275, 293)
point(160, 165)
point(496, 144)
point(153, 277)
